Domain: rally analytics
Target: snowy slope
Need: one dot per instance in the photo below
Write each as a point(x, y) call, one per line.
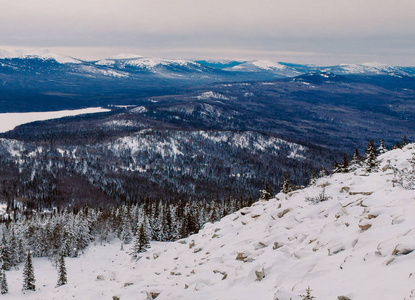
point(124, 61)
point(267, 66)
point(372, 68)
point(357, 244)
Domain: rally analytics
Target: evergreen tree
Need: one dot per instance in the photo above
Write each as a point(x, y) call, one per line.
point(6, 253)
point(266, 193)
point(398, 146)
point(313, 178)
point(370, 158)
point(286, 185)
point(62, 278)
point(336, 168)
point(141, 243)
point(344, 168)
point(28, 274)
point(382, 149)
point(3, 282)
point(322, 172)
point(250, 201)
point(404, 141)
point(356, 159)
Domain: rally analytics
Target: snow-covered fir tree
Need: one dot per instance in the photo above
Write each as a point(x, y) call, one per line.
point(313, 178)
point(336, 167)
point(62, 275)
point(382, 149)
point(3, 282)
point(29, 274)
point(286, 185)
point(141, 243)
point(344, 167)
point(266, 193)
point(356, 161)
point(370, 162)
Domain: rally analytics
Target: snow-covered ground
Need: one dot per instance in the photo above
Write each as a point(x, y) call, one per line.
point(358, 243)
point(9, 121)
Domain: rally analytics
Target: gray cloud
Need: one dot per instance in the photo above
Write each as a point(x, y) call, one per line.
point(352, 29)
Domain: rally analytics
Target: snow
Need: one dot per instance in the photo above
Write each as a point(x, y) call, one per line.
point(105, 72)
point(213, 95)
point(369, 68)
point(43, 54)
point(139, 109)
point(145, 62)
point(9, 121)
point(266, 65)
point(358, 243)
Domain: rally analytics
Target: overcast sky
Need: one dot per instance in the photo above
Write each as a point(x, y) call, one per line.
point(303, 31)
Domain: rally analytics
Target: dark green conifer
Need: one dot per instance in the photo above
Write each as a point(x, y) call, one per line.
point(62, 275)
point(286, 185)
point(141, 243)
point(345, 165)
point(370, 158)
point(266, 193)
point(3, 282)
point(28, 274)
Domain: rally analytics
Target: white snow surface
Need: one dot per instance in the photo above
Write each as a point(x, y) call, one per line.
point(43, 54)
point(9, 121)
point(145, 62)
point(357, 244)
point(259, 64)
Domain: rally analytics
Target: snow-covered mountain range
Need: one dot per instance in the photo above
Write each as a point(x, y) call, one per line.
point(347, 236)
point(132, 63)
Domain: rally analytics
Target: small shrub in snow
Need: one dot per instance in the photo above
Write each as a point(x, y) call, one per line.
point(320, 198)
point(308, 295)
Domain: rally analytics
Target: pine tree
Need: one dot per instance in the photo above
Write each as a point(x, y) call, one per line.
point(3, 282)
point(6, 253)
point(28, 274)
point(286, 185)
point(404, 141)
point(322, 172)
point(266, 193)
point(344, 168)
point(370, 158)
point(356, 159)
point(141, 243)
point(382, 149)
point(250, 201)
point(313, 178)
point(62, 278)
point(336, 168)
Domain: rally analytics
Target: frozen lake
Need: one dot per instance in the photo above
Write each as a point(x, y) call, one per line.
point(9, 121)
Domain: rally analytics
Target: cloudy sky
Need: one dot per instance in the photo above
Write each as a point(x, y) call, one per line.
point(303, 31)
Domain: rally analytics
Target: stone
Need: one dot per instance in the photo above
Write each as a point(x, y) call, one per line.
point(241, 256)
point(260, 274)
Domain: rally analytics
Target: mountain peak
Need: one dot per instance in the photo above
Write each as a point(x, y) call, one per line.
point(30, 53)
